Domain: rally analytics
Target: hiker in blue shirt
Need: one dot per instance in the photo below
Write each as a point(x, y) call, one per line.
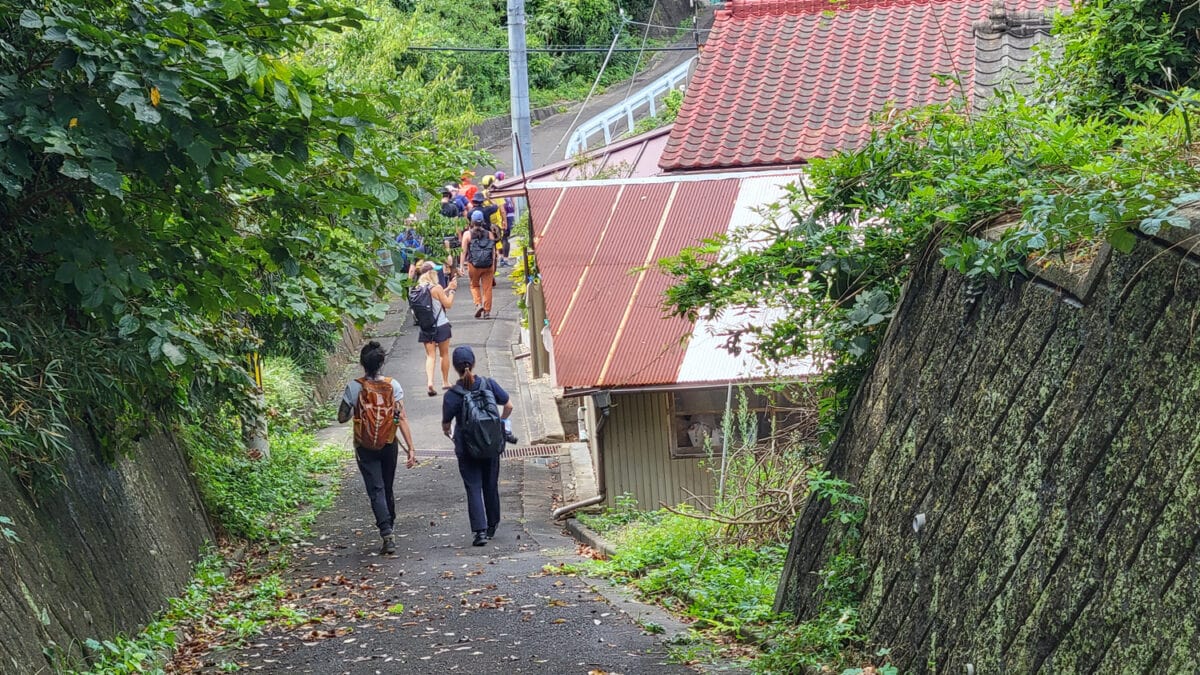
point(481, 477)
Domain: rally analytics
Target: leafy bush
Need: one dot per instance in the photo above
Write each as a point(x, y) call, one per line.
point(287, 394)
point(679, 561)
point(261, 499)
point(615, 517)
point(236, 606)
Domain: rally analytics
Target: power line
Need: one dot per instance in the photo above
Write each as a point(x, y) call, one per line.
point(558, 50)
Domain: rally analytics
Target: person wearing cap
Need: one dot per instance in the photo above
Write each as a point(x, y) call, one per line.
point(465, 185)
point(481, 477)
point(437, 341)
point(509, 207)
point(480, 202)
point(449, 207)
point(479, 257)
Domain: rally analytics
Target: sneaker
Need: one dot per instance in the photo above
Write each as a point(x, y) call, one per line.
point(389, 545)
point(487, 315)
point(481, 539)
point(491, 532)
point(479, 311)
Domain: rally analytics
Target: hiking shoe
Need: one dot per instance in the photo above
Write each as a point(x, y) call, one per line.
point(389, 545)
point(487, 315)
point(479, 311)
point(481, 539)
point(491, 532)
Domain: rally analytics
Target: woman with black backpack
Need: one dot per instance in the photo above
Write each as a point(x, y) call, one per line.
point(479, 409)
point(479, 257)
point(434, 324)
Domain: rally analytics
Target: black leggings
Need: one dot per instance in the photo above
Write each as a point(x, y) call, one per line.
point(378, 469)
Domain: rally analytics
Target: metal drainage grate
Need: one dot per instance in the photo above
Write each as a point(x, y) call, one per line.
point(519, 452)
point(522, 452)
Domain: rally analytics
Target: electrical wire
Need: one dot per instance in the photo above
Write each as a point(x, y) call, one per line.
point(596, 83)
point(659, 25)
point(645, 37)
point(557, 50)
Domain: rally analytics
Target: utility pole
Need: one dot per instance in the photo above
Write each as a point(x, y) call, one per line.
point(522, 128)
point(518, 84)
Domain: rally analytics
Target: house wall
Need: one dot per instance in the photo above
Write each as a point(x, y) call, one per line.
point(637, 453)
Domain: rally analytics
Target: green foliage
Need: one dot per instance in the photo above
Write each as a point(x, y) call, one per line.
point(615, 517)
point(761, 477)
point(482, 77)
point(271, 499)
point(847, 508)
point(212, 602)
point(1031, 178)
point(172, 176)
point(286, 392)
point(670, 110)
point(6, 531)
point(828, 640)
point(679, 561)
point(1124, 50)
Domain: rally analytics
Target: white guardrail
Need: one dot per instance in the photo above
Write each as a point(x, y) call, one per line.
point(624, 115)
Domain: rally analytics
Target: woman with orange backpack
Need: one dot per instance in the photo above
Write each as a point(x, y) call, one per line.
point(377, 405)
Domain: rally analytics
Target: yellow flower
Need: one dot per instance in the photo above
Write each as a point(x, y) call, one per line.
point(155, 97)
point(73, 123)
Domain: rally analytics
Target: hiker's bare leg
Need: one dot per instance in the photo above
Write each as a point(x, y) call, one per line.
point(429, 359)
point(444, 346)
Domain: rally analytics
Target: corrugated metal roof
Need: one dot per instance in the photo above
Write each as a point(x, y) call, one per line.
point(604, 298)
point(706, 359)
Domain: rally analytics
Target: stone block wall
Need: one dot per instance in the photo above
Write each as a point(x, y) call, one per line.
point(99, 556)
point(1048, 436)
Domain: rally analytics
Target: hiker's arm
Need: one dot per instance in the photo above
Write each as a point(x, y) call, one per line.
point(406, 432)
point(344, 413)
point(462, 254)
point(506, 411)
point(446, 295)
point(448, 412)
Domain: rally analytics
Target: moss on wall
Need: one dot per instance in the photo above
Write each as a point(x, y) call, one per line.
point(99, 556)
point(1055, 453)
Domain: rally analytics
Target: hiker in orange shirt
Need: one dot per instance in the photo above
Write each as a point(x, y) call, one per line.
point(466, 187)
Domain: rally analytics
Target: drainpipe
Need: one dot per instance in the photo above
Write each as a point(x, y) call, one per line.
point(564, 511)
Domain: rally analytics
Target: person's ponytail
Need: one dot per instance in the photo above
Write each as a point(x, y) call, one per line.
point(468, 379)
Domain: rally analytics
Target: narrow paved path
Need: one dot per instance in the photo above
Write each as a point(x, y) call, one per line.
point(441, 605)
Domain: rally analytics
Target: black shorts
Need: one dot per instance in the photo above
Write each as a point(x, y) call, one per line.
point(438, 335)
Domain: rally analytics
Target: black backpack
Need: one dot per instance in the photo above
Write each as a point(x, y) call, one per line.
point(479, 423)
point(450, 209)
point(482, 249)
point(420, 300)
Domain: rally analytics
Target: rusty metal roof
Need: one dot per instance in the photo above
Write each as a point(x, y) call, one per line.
point(597, 243)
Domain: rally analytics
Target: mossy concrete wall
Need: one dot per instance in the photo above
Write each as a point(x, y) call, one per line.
point(1048, 436)
point(99, 556)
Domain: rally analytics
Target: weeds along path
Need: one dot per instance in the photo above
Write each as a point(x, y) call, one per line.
point(439, 604)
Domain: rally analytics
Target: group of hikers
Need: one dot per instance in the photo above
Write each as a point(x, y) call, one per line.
point(475, 409)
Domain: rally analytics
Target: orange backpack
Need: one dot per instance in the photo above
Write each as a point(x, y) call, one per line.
point(375, 414)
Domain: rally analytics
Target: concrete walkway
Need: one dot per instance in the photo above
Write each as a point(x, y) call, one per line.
point(441, 605)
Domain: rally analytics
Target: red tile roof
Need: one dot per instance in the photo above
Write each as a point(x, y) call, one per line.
point(607, 321)
point(782, 81)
